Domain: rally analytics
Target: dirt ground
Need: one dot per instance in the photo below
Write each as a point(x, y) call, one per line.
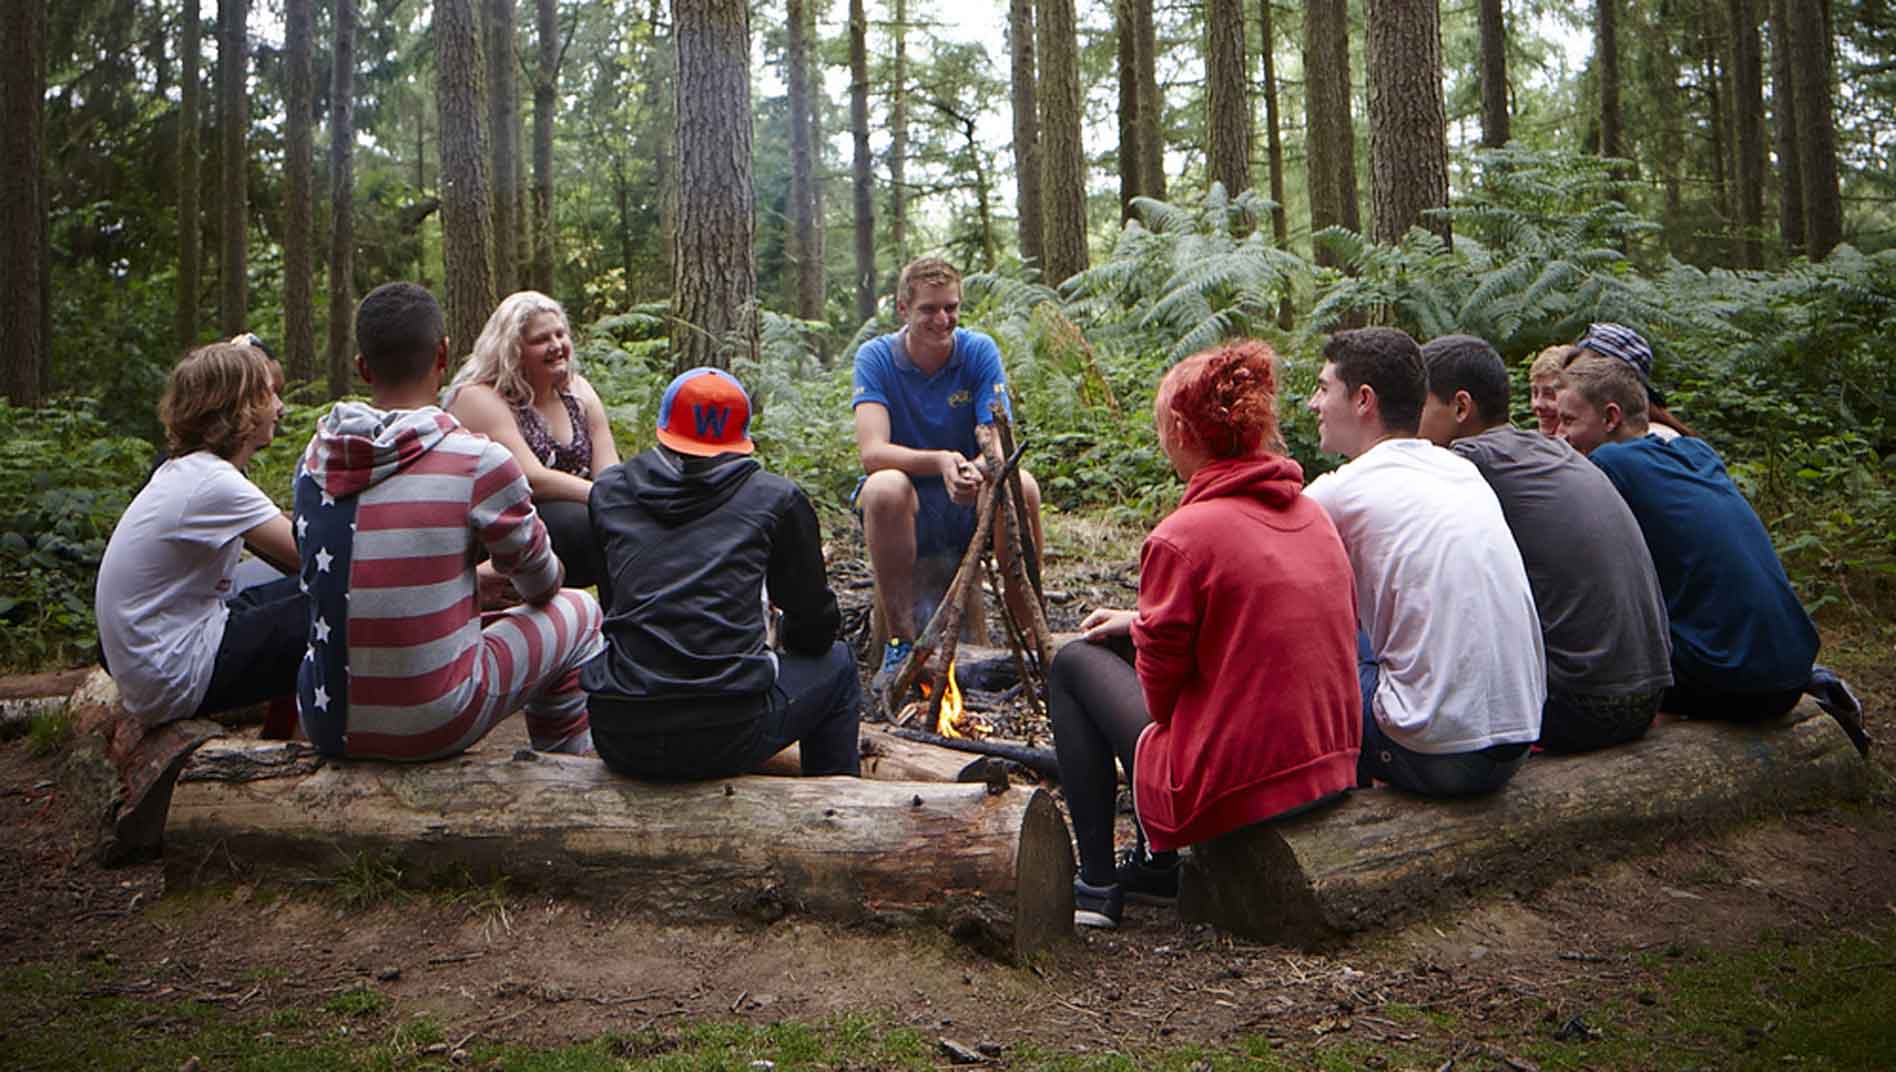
point(502, 966)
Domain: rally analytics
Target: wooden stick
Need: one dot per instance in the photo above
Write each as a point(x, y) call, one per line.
point(1029, 668)
point(1004, 430)
point(1036, 627)
point(1038, 760)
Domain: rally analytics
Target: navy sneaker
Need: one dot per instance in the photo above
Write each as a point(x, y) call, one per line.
point(1149, 878)
point(1097, 906)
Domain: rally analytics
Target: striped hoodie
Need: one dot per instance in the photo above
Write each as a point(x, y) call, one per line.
point(390, 508)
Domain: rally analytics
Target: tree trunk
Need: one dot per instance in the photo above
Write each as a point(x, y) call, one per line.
point(993, 867)
point(546, 84)
point(1274, 142)
point(1024, 78)
point(1816, 128)
point(23, 293)
point(1784, 123)
point(1408, 125)
point(1715, 94)
point(1063, 160)
point(1228, 97)
point(862, 163)
point(1668, 97)
point(1380, 856)
point(299, 326)
point(233, 122)
point(1330, 134)
point(664, 61)
point(1606, 65)
point(714, 274)
point(342, 203)
point(1747, 75)
point(1151, 105)
point(502, 118)
point(467, 244)
point(190, 225)
point(899, 136)
point(809, 263)
point(1494, 75)
point(1131, 169)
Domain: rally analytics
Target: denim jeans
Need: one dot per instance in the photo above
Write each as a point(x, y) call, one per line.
point(1456, 774)
point(1573, 722)
point(264, 641)
point(815, 703)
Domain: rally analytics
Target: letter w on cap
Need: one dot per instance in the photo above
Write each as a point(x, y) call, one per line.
point(711, 420)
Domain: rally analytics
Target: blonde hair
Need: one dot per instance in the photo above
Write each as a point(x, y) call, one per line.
point(495, 360)
point(1601, 380)
point(1548, 363)
point(925, 271)
point(215, 398)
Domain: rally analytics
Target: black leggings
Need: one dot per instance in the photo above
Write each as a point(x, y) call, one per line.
point(1098, 712)
point(569, 527)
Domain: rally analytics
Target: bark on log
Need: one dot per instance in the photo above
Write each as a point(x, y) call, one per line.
point(888, 758)
point(994, 867)
point(1379, 855)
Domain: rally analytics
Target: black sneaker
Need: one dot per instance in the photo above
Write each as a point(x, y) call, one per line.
point(1097, 906)
point(1836, 699)
point(1149, 879)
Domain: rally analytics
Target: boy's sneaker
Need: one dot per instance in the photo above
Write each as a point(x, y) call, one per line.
point(1149, 879)
point(1097, 906)
point(894, 654)
point(1837, 701)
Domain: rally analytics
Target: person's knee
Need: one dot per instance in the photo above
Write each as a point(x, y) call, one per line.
point(887, 493)
point(1030, 491)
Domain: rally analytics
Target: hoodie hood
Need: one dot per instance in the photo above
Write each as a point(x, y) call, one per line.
point(357, 446)
point(676, 489)
point(1271, 479)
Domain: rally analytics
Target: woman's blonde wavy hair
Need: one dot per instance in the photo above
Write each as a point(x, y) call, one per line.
point(216, 397)
point(495, 360)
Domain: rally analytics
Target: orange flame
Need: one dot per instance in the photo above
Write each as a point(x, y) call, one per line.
point(952, 713)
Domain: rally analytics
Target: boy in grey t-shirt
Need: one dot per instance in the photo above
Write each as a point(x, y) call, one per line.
point(1602, 614)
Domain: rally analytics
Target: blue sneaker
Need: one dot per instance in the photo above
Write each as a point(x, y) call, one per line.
point(894, 654)
point(1097, 906)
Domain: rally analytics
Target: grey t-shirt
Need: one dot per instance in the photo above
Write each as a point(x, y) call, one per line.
point(1602, 614)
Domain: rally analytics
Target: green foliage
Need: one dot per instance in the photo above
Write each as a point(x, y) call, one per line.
point(48, 732)
point(64, 480)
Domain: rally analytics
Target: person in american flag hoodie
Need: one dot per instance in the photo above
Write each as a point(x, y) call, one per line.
point(393, 501)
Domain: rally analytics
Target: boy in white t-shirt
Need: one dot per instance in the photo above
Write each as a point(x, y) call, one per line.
point(1451, 664)
point(177, 637)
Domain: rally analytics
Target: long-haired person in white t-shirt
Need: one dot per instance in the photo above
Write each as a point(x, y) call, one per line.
point(175, 632)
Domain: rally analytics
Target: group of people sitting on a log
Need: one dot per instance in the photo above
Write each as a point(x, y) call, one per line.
point(1456, 594)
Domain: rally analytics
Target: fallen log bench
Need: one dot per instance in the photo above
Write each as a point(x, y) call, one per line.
point(1378, 856)
point(992, 864)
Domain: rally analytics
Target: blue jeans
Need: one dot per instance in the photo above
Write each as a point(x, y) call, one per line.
point(1456, 774)
point(816, 704)
point(264, 641)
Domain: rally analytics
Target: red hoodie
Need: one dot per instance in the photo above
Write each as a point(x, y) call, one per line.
point(1246, 643)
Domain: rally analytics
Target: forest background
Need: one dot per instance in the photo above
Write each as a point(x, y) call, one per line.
point(1125, 181)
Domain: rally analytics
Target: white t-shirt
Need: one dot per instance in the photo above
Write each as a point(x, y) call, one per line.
point(167, 571)
point(1443, 595)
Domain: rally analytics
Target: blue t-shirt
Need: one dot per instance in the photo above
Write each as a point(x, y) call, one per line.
point(936, 412)
point(1736, 624)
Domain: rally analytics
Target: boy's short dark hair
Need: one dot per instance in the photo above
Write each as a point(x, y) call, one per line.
point(1465, 363)
point(1388, 361)
point(398, 328)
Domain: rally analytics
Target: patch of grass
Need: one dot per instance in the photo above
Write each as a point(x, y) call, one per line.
point(359, 1001)
point(370, 879)
point(48, 732)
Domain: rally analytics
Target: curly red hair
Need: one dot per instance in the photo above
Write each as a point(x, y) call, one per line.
point(1225, 399)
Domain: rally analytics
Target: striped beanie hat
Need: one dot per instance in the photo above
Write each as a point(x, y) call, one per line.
point(1617, 340)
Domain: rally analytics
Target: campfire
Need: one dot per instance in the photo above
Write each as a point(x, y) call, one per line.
point(954, 720)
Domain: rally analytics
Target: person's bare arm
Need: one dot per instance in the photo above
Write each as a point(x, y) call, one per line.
point(878, 452)
point(275, 543)
point(480, 408)
point(605, 451)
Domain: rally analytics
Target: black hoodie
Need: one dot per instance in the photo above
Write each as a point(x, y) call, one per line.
point(687, 546)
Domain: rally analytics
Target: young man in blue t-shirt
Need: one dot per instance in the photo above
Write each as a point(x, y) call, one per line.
point(1742, 645)
point(921, 401)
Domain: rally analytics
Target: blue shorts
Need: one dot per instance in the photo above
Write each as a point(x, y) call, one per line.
point(942, 526)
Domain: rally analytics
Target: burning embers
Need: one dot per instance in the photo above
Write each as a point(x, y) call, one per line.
point(950, 717)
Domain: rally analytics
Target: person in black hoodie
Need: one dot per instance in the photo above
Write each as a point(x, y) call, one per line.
point(696, 541)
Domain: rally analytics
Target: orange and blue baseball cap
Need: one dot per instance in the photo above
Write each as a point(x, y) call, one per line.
point(705, 411)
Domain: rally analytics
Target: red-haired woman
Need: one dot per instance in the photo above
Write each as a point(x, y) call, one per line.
point(1236, 700)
